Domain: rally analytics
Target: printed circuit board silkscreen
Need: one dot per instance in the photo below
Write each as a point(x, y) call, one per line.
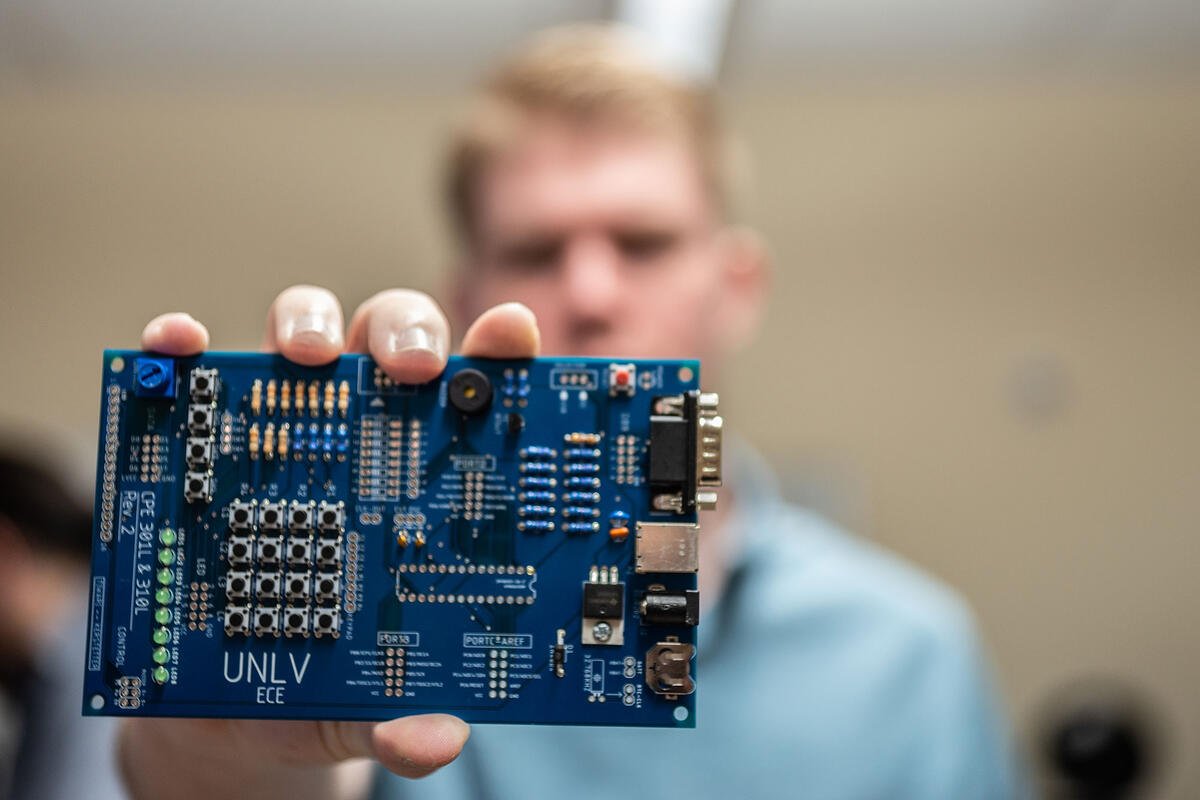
point(515, 541)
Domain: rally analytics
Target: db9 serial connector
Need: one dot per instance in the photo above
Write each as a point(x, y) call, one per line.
point(685, 452)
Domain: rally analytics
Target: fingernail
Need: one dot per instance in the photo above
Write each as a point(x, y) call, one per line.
point(311, 326)
point(414, 339)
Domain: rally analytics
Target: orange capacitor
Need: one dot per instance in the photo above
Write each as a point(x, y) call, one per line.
point(618, 534)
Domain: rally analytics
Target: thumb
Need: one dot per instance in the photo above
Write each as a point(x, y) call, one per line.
point(411, 747)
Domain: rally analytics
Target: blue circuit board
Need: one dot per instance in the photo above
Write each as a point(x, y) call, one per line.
point(514, 542)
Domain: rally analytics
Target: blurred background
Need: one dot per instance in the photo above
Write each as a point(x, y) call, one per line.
point(984, 342)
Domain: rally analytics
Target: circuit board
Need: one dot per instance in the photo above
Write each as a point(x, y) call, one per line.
point(513, 542)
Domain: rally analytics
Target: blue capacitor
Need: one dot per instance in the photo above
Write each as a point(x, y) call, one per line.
point(619, 519)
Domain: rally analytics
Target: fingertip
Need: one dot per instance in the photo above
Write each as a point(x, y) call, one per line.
point(305, 325)
point(175, 333)
point(405, 332)
point(509, 330)
point(414, 747)
point(411, 365)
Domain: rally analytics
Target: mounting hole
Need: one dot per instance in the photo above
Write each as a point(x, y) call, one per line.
point(116, 365)
point(685, 376)
point(97, 701)
point(681, 712)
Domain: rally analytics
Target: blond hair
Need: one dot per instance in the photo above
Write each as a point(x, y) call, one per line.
point(590, 74)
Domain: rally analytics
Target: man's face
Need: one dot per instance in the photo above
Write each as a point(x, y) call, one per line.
point(609, 236)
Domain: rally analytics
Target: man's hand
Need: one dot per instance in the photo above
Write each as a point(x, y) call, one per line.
point(409, 337)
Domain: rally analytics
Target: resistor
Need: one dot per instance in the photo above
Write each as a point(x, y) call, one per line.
point(344, 398)
point(581, 452)
point(581, 527)
point(314, 407)
point(256, 397)
point(535, 511)
point(539, 466)
point(343, 441)
point(580, 482)
point(581, 497)
point(537, 497)
point(535, 525)
point(538, 482)
point(581, 466)
point(327, 442)
point(582, 438)
point(329, 398)
point(537, 451)
point(252, 441)
point(580, 511)
point(299, 397)
point(271, 397)
point(314, 440)
point(284, 430)
point(268, 443)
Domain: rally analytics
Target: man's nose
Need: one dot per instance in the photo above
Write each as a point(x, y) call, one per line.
point(591, 270)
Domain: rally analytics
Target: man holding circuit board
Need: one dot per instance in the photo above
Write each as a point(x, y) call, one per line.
point(591, 195)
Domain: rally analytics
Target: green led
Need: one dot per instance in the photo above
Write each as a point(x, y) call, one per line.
point(167, 537)
point(161, 636)
point(165, 577)
point(162, 615)
point(165, 557)
point(161, 655)
point(163, 596)
point(161, 674)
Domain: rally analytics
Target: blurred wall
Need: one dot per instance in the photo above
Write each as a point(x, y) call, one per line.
point(983, 351)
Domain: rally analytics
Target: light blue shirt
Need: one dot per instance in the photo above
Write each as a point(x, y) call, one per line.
point(829, 669)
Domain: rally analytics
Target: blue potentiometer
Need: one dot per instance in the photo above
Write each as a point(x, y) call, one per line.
point(154, 377)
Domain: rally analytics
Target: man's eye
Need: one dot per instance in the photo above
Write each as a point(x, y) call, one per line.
point(532, 256)
point(645, 246)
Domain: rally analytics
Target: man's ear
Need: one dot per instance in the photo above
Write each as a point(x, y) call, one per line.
point(744, 279)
